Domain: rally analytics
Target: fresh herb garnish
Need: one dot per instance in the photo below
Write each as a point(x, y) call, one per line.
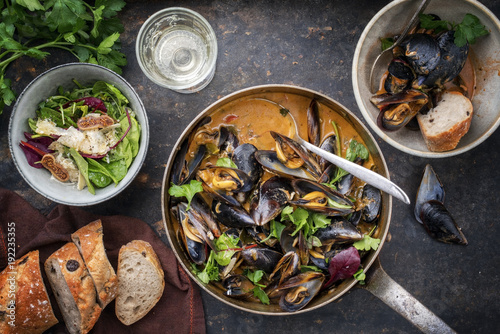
point(255, 277)
point(367, 243)
point(29, 27)
point(275, 229)
point(360, 276)
point(307, 222)
point(465, 32)
point(211, 270)
point(225, 162)
point(343, 265)
point(186, 190)
point(226, 247)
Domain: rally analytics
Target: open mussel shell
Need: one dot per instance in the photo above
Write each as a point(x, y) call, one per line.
point(270, 92)
point(300, 290)
point(317, 197)
point(269, 160)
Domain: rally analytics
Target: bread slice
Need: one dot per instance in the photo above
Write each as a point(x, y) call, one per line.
point(89, 240)
point(32, 307)
point(74, 289)
point(140, 281)
point(445, 124)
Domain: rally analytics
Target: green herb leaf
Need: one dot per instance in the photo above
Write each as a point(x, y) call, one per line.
point(261, 295)
point(211, 270)
point(275, 229)
point(468, 30)
point(360, 276)
point(386, 43)
point(186, 190)
point(226, 245)
point(254, 276)
point(431, 23)
point(225, 162)
point(367, 243)
point(310, 268)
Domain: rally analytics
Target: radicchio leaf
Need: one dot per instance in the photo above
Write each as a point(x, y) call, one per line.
point(35, 148)
point(343, 265)
point(90, 101)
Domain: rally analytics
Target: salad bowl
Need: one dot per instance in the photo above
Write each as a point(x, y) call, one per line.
point(47, 85)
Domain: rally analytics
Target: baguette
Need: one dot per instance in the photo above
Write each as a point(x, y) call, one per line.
point(33, 310)
point(74, 289)
point(89, 240)
point(445, 124)
point(140, 281)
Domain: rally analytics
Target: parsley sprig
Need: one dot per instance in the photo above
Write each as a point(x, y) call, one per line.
point(29, 27)
point(465, 32)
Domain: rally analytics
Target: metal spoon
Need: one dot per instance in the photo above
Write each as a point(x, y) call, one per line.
point(385, 56)
point(360, 172)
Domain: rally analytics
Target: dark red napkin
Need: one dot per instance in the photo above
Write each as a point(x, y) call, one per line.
point(180, 310)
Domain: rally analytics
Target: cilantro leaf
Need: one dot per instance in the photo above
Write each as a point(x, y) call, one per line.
point(275, 229)
point(211, 270)
point(186, 190)
point(367, 243)
point(255, 277)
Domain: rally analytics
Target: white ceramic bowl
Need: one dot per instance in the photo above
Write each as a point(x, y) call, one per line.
point(42, 87)
point(485, 55)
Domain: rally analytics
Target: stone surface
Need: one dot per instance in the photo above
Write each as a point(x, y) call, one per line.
point(311, 44)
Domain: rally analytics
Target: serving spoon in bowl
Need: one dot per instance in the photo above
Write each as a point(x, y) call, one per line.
point(385, 56)
point(362, 173)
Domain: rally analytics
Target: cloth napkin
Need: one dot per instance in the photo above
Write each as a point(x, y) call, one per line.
point(180, 310)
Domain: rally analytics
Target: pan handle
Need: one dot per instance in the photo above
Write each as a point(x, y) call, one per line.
point(401, 301)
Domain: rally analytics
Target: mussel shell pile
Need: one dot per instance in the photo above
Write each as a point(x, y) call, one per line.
point(431, 212)
point(424, 65)
point(244, 199)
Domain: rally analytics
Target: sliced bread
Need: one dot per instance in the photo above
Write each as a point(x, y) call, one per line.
point(89, 240)
point(445, 124)
point(30, 311)
point(140, 281)
point(74, 289)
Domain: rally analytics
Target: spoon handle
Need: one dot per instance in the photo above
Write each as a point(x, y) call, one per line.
point(413, 21)
point(360, 172)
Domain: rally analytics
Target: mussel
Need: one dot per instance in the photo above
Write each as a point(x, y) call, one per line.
point(273, 195)
point(430, 188)
point(338, 232)
point(261, 258)
point(439, 223)
point(450, 64)
point(300, 290)
point(431, 212)
point(294, 156)
point(238, 286)
point(191, 238)
point(319, 198)
point(231, 216)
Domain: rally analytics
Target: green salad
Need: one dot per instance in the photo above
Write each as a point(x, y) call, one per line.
point(88, 137)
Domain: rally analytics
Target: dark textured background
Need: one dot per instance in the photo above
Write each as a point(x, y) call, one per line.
point(311, 44)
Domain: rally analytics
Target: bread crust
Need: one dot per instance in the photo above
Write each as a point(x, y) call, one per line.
point(75, 274)
point(89, 240)
point(449, 139)
point(34, 313)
